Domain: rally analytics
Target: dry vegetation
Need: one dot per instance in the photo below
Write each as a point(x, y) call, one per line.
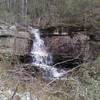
point(80, 83)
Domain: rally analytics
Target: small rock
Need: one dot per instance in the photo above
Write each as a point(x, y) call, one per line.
point(17, 97)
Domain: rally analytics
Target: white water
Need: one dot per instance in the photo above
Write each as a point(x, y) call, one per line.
point(39, 52)
point(41, 57)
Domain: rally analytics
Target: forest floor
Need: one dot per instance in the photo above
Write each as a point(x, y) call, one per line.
point(81, 83)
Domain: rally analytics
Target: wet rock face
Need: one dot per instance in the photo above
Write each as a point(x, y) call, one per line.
point(67, 47)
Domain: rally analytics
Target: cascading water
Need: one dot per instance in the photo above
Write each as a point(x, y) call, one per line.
point(41, 57)
point(39, 52)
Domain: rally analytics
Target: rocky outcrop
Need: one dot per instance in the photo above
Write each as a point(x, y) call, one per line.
point(64, 43)
point(14, 41)
point(67, 47)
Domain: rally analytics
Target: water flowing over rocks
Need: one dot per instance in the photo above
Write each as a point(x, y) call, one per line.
point(41, 57)
point(63, 43)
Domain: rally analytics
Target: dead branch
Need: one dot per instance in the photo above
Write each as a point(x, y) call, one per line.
point(16, 88)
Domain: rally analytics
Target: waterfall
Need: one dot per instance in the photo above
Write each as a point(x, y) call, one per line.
point(41, 57)
point(39, 52)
